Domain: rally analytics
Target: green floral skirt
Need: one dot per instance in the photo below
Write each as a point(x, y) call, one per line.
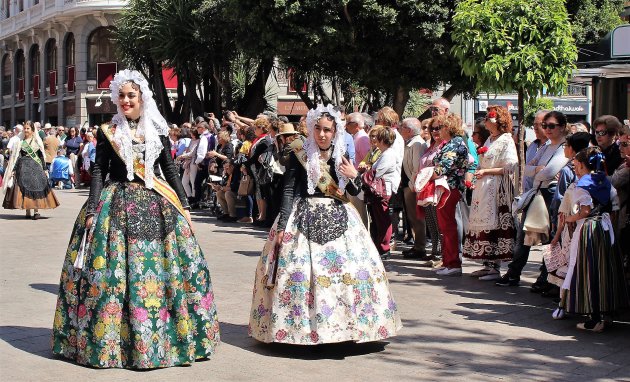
point(143, 298)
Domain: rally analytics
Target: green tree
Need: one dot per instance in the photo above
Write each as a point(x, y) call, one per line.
point(385, 47)
point(521, 46)
point(196, 39)
point(593, 19)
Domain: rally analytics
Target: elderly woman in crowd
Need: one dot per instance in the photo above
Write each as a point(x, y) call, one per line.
point(451, 162)
point(490, 236)
point(319, 278)
point(386, 168)
point(262, 144)
point(544, 167)
point(25, 184)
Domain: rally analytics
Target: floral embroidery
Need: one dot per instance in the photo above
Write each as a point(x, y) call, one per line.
point(144, 298)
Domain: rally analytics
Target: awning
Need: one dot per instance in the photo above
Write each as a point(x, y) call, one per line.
point(608, 71)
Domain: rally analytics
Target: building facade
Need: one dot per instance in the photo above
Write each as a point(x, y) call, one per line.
point(56, 60)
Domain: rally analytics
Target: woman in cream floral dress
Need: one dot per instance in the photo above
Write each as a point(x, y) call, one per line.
point(320, 278)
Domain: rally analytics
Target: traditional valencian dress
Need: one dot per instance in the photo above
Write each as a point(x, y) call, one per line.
point(490, 235)
point(328, 284)
point(30, 188)
point(135, 290)
point(594, 282)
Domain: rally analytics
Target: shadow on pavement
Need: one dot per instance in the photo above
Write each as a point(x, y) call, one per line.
point(236, 335)
point(28, 339)
point(50, 288)
point(248, 253)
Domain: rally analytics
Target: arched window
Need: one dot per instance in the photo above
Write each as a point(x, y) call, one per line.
point(6, 75)
point(70, 50)
point(51, 55)
point(100, 49)
point(35, 60)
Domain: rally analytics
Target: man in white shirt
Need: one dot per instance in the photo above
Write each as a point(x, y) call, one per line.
point(14, 139)
point(200, 162)
point(414, 148)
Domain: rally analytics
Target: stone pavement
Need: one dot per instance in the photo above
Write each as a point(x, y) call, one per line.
point(454, 328)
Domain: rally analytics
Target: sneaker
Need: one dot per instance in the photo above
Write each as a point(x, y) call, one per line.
point(591, 326)
point(449, 272)
point(494, 274)
point(386, 256)
point(558, 314)
point(507, 280)
point(482, 272)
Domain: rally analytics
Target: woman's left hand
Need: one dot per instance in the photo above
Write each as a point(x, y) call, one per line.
point(347, 169)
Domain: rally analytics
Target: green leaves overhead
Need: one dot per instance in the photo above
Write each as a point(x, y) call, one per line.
point(510, 46)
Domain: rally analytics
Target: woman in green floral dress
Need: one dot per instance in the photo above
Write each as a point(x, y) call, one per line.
point(135, 289)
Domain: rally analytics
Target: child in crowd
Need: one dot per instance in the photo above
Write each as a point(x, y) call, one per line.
point(594, 282)
point(559, 248)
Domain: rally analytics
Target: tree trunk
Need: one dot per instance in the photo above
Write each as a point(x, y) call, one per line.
point(322, 94)
point(521, 139)
point(451, 92)
point(401, 97)
point(254, 98)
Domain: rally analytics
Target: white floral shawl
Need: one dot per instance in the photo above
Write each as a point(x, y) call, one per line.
point(483, 209)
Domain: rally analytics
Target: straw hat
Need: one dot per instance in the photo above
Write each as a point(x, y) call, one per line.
point(287, 129)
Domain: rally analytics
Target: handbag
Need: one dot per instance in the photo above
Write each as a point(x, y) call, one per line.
point(373, 187)
point(245, 186)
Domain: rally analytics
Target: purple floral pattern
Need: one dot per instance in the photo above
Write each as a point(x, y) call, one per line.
point(331, 292)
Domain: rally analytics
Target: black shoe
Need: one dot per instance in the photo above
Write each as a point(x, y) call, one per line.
point(223, 217)
point(386, 256)
point(409, 241)
point(413, 254)
point(507, 280)
point(540, 287)
point(230, 219)
point(553, 292)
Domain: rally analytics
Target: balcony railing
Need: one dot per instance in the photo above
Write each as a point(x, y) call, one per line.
point(35, 14)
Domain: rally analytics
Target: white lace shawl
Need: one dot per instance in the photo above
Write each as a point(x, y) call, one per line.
point(313, 168)
point(483, 207)
point(150, 126)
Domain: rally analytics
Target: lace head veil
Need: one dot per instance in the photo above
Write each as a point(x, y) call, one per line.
point(150, 126)
point(313, 168)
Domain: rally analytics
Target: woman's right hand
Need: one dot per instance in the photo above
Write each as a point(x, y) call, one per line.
point(88, 222)
point(279, 238)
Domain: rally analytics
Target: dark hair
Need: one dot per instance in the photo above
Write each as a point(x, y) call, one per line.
point(560, 117)
point(249, 133)
point(612, 124)
point(480, 125)
point(592, 158)
point(578, 141)
point(195, 134)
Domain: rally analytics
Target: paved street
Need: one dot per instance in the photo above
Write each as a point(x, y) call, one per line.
point(454, 328)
